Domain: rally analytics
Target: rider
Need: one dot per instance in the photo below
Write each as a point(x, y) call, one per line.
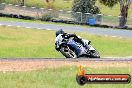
point(67, 36)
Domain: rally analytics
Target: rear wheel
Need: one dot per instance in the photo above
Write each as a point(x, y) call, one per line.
point(67, 52)
point(94, 54)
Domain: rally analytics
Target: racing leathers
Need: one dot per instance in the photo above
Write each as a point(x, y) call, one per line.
point(75, 38)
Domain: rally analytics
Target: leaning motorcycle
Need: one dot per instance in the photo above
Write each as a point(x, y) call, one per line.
point(72, 49)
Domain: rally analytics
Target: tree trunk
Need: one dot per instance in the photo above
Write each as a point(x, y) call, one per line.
point(23, 2)
point(123, 16)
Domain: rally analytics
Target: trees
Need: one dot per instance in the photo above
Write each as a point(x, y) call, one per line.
point(21, 2)
point(124, 7)
point(84, 6)
point(50, 3)
point(1, 1)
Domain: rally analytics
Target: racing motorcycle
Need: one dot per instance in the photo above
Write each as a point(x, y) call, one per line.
point(72, 49)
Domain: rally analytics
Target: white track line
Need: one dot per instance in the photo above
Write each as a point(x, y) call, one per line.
point(9, 25)
point(39, 28)
point(18, 26)
point(28, 27)
point(48, 29)
point(22, 26)
point(114, 36)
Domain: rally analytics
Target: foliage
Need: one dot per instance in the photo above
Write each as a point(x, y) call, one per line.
point(85, 6)
point(49, 16)
point(124, 6)
point(1, 1)
point(20, 2)
point(50, 3)
point(109, 3)
point(67, 5)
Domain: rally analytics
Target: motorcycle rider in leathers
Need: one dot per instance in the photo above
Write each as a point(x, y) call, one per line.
point(68, 36)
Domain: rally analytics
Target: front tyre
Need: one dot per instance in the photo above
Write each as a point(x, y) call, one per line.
point(67, 52)
point(94, 54)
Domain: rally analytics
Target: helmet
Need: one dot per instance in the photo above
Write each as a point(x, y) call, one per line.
point(59, 32)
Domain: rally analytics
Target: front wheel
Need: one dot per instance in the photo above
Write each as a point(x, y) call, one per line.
point(67, 52)
point(94, 54)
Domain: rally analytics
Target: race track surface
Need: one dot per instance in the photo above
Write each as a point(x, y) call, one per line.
point(28, 64)
point(72, 28)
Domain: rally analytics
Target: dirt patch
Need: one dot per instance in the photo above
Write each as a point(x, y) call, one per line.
point(27, 65)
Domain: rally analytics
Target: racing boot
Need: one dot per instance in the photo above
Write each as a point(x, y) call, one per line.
point(87, 48)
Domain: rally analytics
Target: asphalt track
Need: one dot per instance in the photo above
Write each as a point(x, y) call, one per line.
point(65, 59)
point(72, 28)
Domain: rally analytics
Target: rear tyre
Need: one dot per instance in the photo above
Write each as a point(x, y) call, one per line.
point(67, 52)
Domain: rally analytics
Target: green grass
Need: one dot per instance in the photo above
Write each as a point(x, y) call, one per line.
point(58, 4)
point(37, 21)
point(58, 78)
point(19, 42)
point(20, 20)
point(22, 42)
point(115, 11)
point(109, 20)
point(109, 46)
point(67, 5)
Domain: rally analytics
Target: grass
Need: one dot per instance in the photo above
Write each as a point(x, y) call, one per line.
point(115, 11)
point(18, 42)
point(109, 46)
point(58, 78)
point(106, 20)
point(22, 42)
point(67, 5)
point(36, 21)
point(58, 4)
point(114, 21)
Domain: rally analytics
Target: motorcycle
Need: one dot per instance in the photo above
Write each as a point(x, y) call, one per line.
point(72, 49)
